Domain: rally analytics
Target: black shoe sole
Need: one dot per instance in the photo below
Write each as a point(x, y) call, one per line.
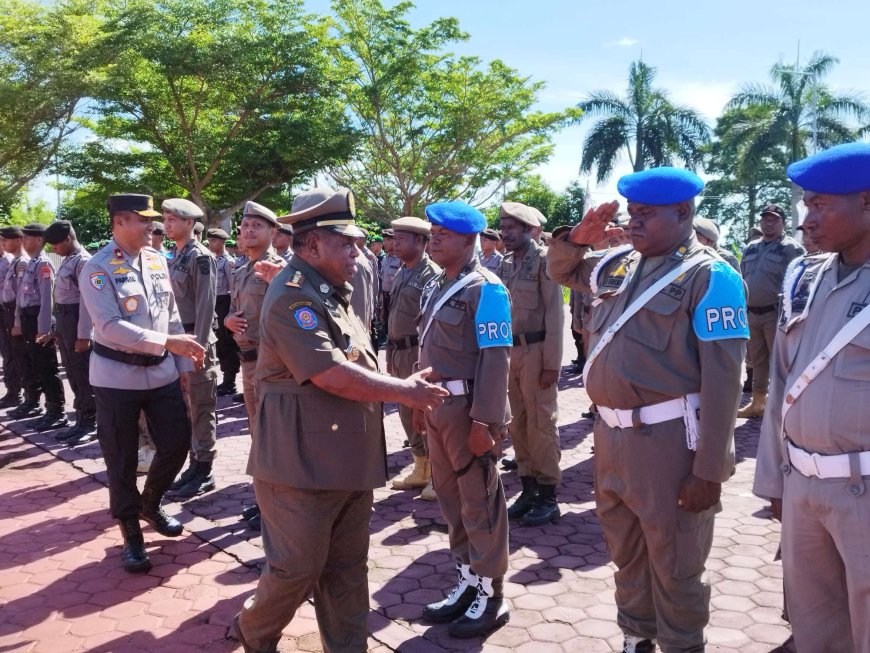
point(540, 521)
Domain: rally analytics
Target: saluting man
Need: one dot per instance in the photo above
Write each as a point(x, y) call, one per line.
point(409, 245)
point(225, 348)
point(193, 274)
point(667, 336)
point(538, 318)
point(814, 447)
point(318, 446)
point(126, 290)
point(36, 319)
point(74, 330)
point(465, 338)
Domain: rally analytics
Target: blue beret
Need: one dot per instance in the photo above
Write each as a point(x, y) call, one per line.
point(660, 186)
point(456, 216)
point(840, 170)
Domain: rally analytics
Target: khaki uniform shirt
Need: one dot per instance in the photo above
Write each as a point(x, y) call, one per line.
point(451, 349)
point(536, 301)
point(763, 267)
point(405, 298)
point(362, 300)
point(66, 289)
point(832, 415)
point(305, 437)
point(224, 264)
point(36, 290)
point(248, 293)
point(657, 355)
point(193, 273)
point(728, 256)
point(130, 301)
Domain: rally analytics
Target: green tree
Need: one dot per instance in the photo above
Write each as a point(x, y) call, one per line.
point(558, 208)
point(223, 101)
point(436, 126)
point(797, 111)
point(49, 59)
point(569, 207)
point(645, 125)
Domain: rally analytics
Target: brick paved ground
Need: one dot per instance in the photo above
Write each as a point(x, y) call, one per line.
point(62, 590)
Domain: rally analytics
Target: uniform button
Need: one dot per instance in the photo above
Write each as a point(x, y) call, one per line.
point(854, 489)
point(335, 427)
point(786, 468)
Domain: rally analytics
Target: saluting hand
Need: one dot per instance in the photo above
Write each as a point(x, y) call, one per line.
point(267, 271)
point(696, 494)
point(594, 226)
point(421, 395)
point(186, 345)
point(236, 323)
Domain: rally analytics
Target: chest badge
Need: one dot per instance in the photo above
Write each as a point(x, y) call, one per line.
point(120, 270)
point(131, 304)
point(352, 353)
point(324, 288)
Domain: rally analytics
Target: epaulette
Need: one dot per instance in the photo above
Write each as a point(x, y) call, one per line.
point(608, 256)
point(799, 277)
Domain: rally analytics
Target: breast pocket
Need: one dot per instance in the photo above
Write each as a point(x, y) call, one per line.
point(448, 329)
point(132, 302)
point(598, 315)
point(179, 282)
point(853, 361)
point(774, 264)
point(525, 295)
point(654, 323)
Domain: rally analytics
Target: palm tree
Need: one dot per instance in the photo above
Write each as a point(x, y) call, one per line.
point(797, 112)
point(652, 129)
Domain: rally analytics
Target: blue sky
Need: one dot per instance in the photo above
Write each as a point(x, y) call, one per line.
point(703, 50)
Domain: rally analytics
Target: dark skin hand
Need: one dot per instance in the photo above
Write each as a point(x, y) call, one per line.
point(696, 495)
point(595, 225)
point(82, 345)
point(482, 438)
point(548, 378)
point(776, 509)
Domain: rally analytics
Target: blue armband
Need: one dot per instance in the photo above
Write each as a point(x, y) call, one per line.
point(721, 314)
point(493, 317)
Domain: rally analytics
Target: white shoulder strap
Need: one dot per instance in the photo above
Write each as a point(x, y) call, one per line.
point(638, 304)
point(454, 289)
point(842, 338)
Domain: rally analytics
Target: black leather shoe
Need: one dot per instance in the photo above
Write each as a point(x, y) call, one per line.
point(526, 500)
point(457, 602)
point(68, 433)
point(239, 398)
point(10, 400)
point(201, 482)
point(545, 508)
point(509, 463)
point(250, 512)
point(255, 523)
point(52, 421)
point(226, 390)
point(591, 413)
point(85, 435)
point(27, 409)
point(134, 557)
point(154, 515)
point(185, 477)
point(487, 613)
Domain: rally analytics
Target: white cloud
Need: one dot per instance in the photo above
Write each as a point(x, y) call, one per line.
point(707, 97)
point(624, 42)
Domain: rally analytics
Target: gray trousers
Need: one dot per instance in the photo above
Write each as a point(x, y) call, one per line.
point(201, 396)
point(659, 549)
point(316, 541)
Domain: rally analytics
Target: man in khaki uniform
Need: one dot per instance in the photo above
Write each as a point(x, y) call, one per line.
point(193, 275)
point(465, 337)
point(667, 385)
point(318, 445)
point(538, 317)
point(409, 244)
point(814, 447)
point(763, 266)
point(707, 233)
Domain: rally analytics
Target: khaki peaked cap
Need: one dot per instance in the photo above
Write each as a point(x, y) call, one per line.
point(324, 208)
point(414, 225)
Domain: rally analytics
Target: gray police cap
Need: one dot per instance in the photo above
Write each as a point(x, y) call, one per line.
point(182, 208)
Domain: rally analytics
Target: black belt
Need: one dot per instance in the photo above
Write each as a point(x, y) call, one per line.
point(30, 311)
point(404, 343)
point(529, 338)
point(189, 327)
point(761, 310)
point(9, 306)
point(141, 360)
point(66, 308)
point(248, 356)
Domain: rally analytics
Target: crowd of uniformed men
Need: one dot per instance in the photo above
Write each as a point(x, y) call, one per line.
point(472, 323)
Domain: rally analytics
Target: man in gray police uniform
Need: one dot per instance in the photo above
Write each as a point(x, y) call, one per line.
point(126, 291)
point(74, 330)
point(193, 274)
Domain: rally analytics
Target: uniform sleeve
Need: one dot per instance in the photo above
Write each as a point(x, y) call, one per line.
point(554, 322)
point(85, 330)
point(768, 462)
point(45, 281)
point(569, 265)
point(205, 287)
point(102, 305)
point(489, 400)
point(296, 330)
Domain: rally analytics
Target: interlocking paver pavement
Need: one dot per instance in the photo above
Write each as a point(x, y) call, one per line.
point(61, 587)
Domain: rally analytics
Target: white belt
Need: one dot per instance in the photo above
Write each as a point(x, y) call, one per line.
point(456, 387)
point(655, 414)
point(826, 466)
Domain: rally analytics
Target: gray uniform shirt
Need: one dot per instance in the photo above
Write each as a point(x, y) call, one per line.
point(763, 268)
point(133, 308)
point(492, 262)
point(193, 274)
point(12, 280)
point(832, 416)
point(66, 289)
point(389, 269)
point(5, 262)
point(224, 264)
point(36, 290)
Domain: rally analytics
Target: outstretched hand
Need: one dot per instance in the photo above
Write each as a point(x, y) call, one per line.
point(420, 394)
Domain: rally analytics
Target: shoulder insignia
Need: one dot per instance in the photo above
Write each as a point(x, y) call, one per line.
point(120, 270)
point(305, 318)
point(298, 305)
point(296, 280)
point(118, 253)
point(155, 266)
point(98, 280)
point(203, 264)
point(493, 317)
point(116, 261)
point(45, 271)
point(606, 257)
point(721, 313)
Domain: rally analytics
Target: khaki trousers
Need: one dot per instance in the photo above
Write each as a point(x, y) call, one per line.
point(533, 429)
point(762, 330)
point(316, 541)
point(826, 563)
point(201, 396)
point(659, 549)
point(469, 491)
point(249, 378)
point(403, 366)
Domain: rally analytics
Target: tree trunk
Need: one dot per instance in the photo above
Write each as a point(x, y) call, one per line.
point(638, 149)
point(752, 208)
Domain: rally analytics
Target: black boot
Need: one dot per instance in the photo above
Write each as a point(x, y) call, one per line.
point(53, 419)
point(227, 386)
point(133, 557)
point(546, 507)
point(457, 602)
point(250, 512)
point(186, 475)
point(202, 481)
point(509, 463)
point(68, 433)
point(487, 613)
point(86, 432)
point(255, 523)
point(154, 515)
point(526, 500)
point(29, 408)
point(633, 644)
point(10, 399)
